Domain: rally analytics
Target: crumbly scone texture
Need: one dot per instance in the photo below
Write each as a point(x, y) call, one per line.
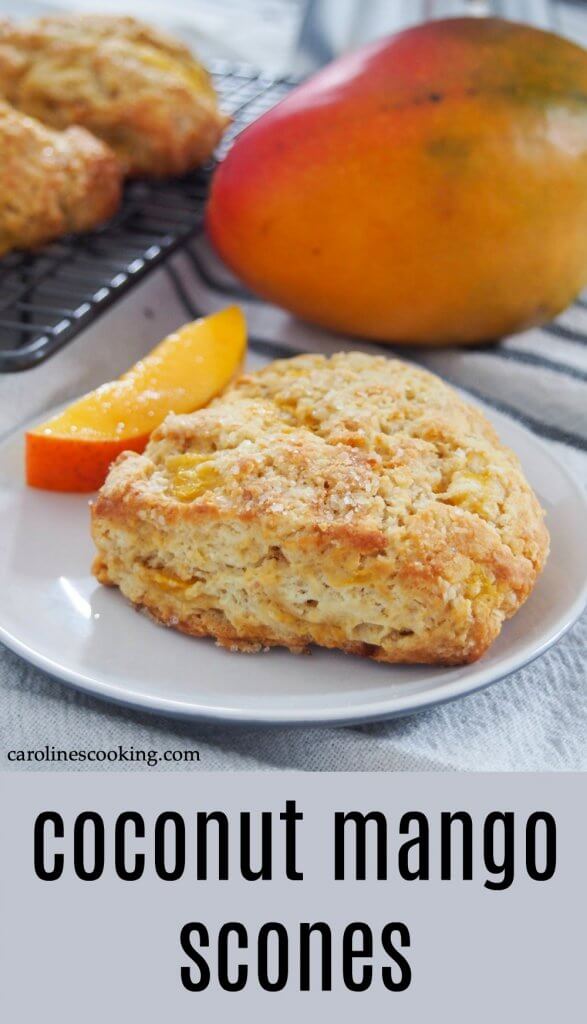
point(139, 90)
point(52, 183)
point(355, 502)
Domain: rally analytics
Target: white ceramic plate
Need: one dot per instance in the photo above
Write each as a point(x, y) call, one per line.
point(54, 614)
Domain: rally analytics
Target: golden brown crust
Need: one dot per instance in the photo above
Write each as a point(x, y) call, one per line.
point(137, 89)
point(352, 502)
point(51, 183)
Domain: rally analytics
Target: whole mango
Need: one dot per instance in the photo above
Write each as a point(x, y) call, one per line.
point(428, 188)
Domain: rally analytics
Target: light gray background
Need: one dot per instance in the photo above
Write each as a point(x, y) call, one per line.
point(109, 950)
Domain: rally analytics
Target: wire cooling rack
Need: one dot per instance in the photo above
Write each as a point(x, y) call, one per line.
point(48, 296)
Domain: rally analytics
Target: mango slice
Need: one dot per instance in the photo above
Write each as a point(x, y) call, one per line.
point(73, 451)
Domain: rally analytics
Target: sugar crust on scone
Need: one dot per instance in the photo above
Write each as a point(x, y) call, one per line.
point(354, 502)
point(51, 182)
point(136, 88)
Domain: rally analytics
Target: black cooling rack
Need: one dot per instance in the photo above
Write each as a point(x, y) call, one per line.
point(48, 296)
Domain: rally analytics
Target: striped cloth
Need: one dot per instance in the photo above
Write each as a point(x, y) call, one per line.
point(535, 720)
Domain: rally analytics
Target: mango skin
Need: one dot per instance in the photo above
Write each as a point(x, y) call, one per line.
point(429, 188)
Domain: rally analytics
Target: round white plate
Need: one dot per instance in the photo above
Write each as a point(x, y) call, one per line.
point(54, 614)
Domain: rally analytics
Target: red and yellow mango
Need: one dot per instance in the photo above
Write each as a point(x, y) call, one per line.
point(428, 188)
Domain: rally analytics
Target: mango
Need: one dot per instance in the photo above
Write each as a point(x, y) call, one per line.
point(73, 451)
point(428, 188)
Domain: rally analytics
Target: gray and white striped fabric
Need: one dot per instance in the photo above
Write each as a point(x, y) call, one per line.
point(535, 720)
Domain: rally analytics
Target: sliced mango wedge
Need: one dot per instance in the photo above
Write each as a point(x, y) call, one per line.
point(73, 451)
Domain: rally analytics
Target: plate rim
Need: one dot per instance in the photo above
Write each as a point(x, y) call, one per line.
point(374, 711)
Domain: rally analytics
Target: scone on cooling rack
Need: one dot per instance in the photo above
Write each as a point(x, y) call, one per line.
point(139, 90)
point(354, 502)
point(51, 183)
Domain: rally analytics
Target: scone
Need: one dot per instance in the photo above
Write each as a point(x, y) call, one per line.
point(355, 502)
point(137, 89)
point(51, 183)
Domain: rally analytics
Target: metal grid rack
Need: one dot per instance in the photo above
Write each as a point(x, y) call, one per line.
point(48, 296)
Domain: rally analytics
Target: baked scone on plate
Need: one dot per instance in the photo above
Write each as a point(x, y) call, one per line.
point(139, 90)
point(51, 183)
point(354, 502)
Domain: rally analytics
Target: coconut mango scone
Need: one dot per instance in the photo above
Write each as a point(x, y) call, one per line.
point(51, 183)
point(354, 502)
point(134, 87)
